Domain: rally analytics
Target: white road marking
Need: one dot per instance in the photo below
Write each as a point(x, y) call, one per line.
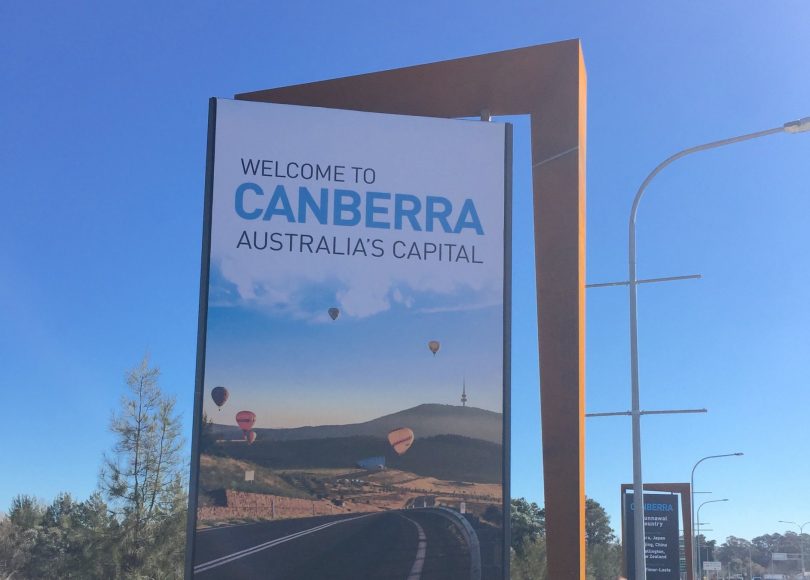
point(421, 550)
point(227, 527)
point(258, 548)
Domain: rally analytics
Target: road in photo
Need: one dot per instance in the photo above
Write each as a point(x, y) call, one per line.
point(380, 545)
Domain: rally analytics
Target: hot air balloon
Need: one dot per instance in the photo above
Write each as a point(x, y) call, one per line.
point(334, 313)
point(251, 437)
point(401, 439)
point(245, 420)
point(220, 396)
point(434, 345)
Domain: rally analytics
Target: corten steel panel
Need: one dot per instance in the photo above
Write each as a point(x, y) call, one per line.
point(686, 514)
point(548, 83)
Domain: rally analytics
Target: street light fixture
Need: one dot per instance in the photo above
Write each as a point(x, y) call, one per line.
point(798, 126)
point(698, 524)
point(801, 542)
point(695, 553)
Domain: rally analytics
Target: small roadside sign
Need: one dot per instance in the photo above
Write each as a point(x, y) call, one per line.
point(711, 566)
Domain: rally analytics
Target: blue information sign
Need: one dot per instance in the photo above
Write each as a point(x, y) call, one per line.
point(661, 536)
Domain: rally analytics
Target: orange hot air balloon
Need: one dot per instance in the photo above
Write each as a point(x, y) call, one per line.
point(401, 439)
point(220, 396)
point(251, 437)
point(434, 346)
point(245, 420)
point(334, 313)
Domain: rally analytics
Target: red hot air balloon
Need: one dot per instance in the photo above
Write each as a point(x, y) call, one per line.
point(220, 396)
point(401, 439)
point(251, 437)
point(434, 346)
point(245, 420)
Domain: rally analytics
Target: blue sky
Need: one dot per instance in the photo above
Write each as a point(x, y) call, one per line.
point(103, 115)
point(293, 374)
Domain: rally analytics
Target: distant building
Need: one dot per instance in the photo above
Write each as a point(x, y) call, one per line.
point(372, 463)
point(464, 392)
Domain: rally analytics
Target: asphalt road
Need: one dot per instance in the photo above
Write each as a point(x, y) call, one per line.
point(397, 545)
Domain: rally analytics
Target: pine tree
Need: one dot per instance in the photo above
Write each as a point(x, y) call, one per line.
point(143, 478)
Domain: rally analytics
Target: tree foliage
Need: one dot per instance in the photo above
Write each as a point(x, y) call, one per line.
point(66, 539)
point(739, 556)
point(530, 562)
point(528, 523)
point(597, 525)
point(143, 477)
point(134, 526)
point(604, 561)
point(207, 438)
point(529, 542)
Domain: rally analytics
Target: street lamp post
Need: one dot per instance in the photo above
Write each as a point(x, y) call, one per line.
point(801, 542)
point(695, 566)
point(751, 563)
point(698, 520)
point(798, 126)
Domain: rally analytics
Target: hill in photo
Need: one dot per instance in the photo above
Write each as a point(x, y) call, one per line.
point(426, 420)
point(445, 457)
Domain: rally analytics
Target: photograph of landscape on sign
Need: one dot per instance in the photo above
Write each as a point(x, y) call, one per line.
point(353, 395)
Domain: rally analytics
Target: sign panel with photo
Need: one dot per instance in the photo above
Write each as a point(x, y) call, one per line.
point(353, 383)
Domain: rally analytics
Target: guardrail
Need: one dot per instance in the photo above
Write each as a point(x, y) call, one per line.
point(469, 535)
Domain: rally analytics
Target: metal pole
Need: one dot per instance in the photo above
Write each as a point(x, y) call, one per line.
point(798, 126)
point(695, 565)
point(750, 563)
point(698, 517)
point(638, 487)
point(801, 542)
point(698, 546)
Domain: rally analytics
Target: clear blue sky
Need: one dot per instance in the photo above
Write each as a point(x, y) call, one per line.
point(102, 144)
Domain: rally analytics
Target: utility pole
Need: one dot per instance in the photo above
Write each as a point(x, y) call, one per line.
point(632, 283)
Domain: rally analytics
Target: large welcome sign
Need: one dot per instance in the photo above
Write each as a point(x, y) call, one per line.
point(352, 389)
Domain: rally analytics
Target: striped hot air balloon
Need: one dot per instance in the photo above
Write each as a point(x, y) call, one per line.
point(245, 420)
point(401, 439)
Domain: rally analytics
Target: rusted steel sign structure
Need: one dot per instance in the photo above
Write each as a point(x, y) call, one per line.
point(548, 83)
